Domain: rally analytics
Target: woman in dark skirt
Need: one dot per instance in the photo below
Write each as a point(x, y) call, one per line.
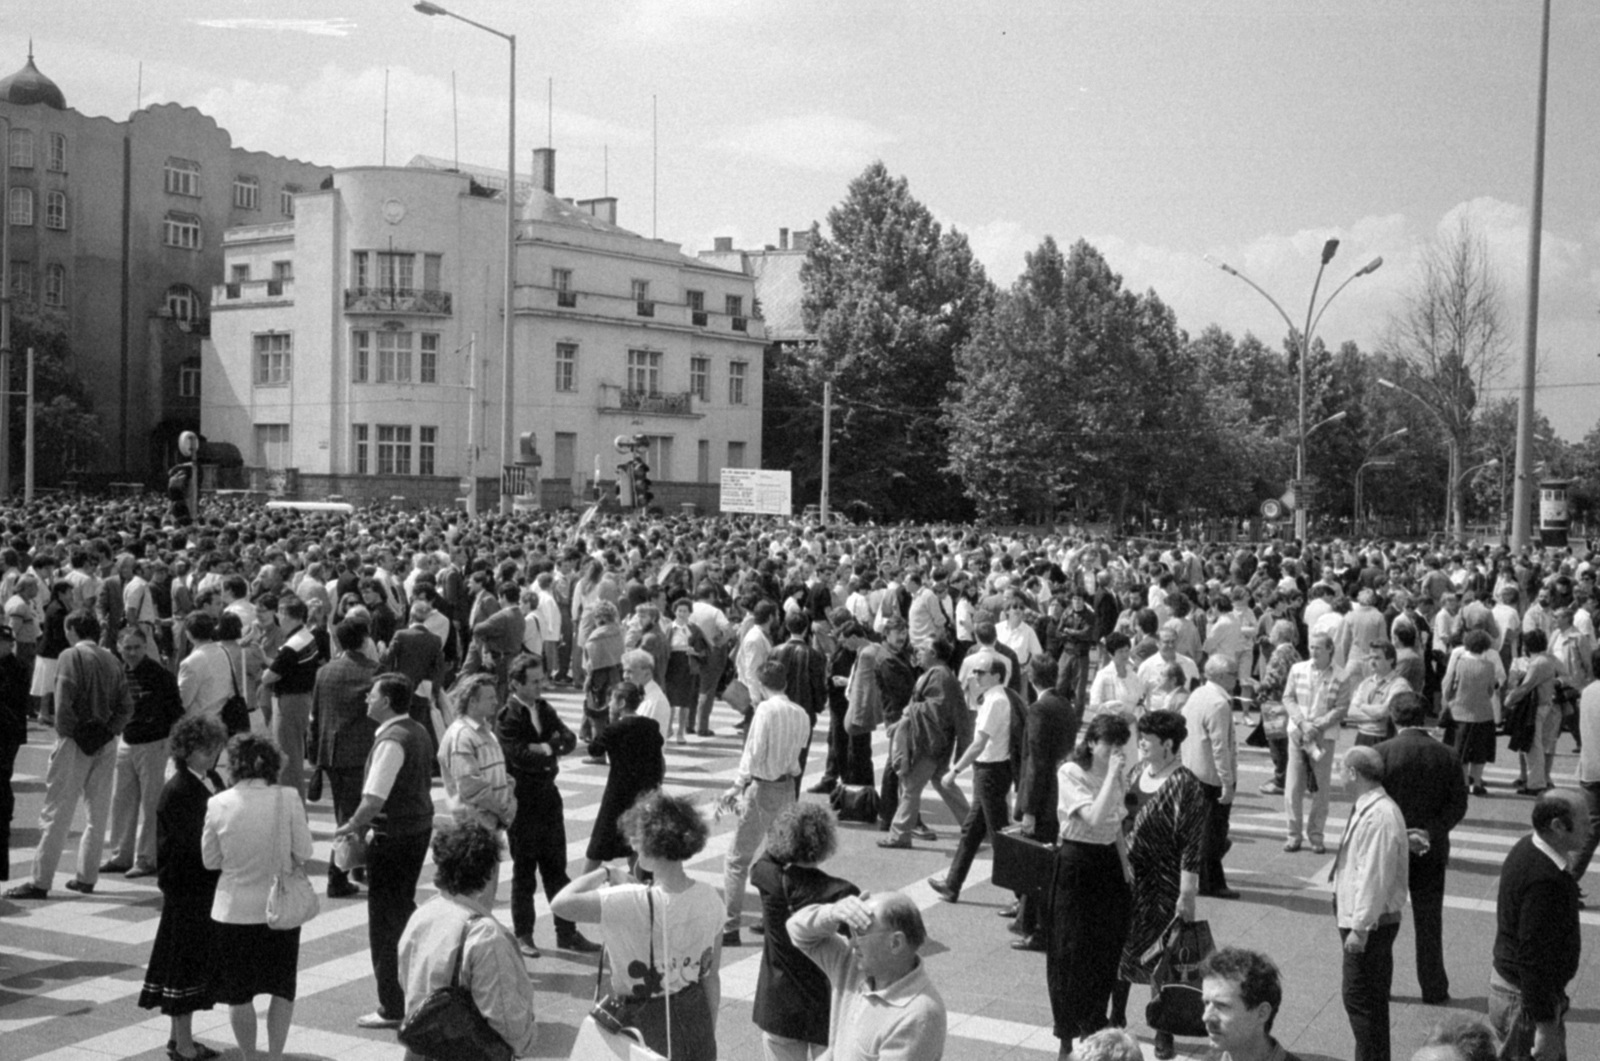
point(688, 652)
point(1471, 680)
point(252, 958)
point(178, 981)
point(638, 764)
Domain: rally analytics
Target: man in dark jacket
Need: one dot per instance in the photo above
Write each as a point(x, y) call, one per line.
point(418, 653)
point(1052, 726)
point(1424, 778)
point(849, 754)
point(805, 676)
point(534, 738)
point(141, 758)
point(13, 732)
point(896, 676)
point(1537, 943)
point(342, 731)
point(932, 726)
point(499, 636)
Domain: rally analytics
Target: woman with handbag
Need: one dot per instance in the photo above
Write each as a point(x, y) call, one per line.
point(178, 979)
point(664, 941)
point(253, 833)
point(454, 940)
point(1472, 681)
point(1164, 849)
point(1269, 694)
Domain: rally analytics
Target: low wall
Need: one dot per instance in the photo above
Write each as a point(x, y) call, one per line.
point(442, 491)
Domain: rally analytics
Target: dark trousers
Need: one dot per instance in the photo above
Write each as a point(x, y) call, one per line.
point(1090, 909)
point(1427, 912)
point(1366, 981)
point(1072, 677)
point(8, 803)
point(345, 785)
point(1591, 792)
point(538, 840)
point(394, 863)
point(990, 784)
point(849, 757)
point(1215, 841)
point(1278, 748)
point(888, 785)
point(597, 703)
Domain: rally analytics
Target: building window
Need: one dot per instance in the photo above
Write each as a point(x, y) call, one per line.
point(21, 280)
point(736, 376)
point(274, 351)
point(565, 456)
point(703, 461)
point(286, 199)
point(427, 443)
point(359, 440)
point(182, 304)
point(181, 230)
point(58, 153)
point(697, 308)
point(561, 280)
point(395, 271)
point(566, 366)
point(428, 359)
point(700, 377)
point(21, 212)
point(735, 307)
point(641, 298)
point(283, 270)
point(182, 177)
point(394, 449)
point(189, 379)
point(394, 357)
point(55, 285)
point(55, 210)
point(432, 266)
point(358, 267)
point(360, 356)
point(272, 445)
point(735, 455)
point(21, 149)
point(246, 193)
point(644, 372)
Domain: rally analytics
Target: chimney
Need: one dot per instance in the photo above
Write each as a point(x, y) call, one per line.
point(802, 240)
point(604, 208)
point(783, 239)
point(722, 244)
point(544, 169)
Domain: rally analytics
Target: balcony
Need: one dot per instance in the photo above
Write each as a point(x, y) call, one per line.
point(740, 324)
point(698, 318)
point(252, 291)
point(420, 301)
point(567, 299)
point(614, 399)
point(646, 308)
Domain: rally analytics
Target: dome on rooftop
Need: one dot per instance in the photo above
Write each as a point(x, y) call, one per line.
point(28, 86)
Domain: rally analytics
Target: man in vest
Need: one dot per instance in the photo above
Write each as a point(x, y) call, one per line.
point(397, 804)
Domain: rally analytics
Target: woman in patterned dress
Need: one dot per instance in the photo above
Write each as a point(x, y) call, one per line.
point(1164, 848)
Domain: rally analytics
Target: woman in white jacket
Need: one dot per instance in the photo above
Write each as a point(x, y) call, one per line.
point(251, 832)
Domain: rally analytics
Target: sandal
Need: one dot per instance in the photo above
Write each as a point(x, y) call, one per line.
point(202, 1052)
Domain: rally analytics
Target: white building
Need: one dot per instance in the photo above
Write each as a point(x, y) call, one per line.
point(340, 343)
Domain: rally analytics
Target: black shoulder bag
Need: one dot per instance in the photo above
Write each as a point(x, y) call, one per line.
point(448, 1025)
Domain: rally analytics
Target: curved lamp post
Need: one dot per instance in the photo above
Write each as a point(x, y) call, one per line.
point(1452, 513)
point(1368, 461)
point(507, 423)
point(1313, 316)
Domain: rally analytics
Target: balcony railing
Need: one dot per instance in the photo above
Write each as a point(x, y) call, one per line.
point(646, 308)
point(397, 300)
point(567, 299)
point(697, 317)
point(618, 399)
point(740, 324)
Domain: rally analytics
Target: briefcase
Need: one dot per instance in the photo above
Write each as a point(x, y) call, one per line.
point(1021, 863)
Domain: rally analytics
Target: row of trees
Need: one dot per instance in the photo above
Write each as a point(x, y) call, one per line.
point(1069, 395)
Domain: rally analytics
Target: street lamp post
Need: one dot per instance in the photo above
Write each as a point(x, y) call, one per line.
point(507, 423)
point(1313, 316)
point(1452, 513)
point(1368, 461)
point(1492, 462)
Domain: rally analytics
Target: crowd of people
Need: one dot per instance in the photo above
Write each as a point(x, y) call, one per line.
point(204, 681)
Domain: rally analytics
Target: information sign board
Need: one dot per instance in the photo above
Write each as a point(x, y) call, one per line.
point(755, 490)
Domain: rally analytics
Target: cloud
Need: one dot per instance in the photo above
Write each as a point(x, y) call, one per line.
point(317, 27)
point(824, 143)
point(1000, 245)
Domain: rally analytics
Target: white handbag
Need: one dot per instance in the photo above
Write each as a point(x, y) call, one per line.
point(291, 901)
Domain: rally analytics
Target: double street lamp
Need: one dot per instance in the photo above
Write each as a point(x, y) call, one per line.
point(1313, 316)
point(1452, 511)
point(507, 423)
point(1369, 461)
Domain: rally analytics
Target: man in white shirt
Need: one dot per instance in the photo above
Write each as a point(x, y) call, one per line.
point(206, 677)
point(1316, 698)
point(931, 617)
point(714, 624)
point(1151, 670)
point(990, 756)
point(1210, 752)
point(764, 785)
point(754, 648)
point(638, 667)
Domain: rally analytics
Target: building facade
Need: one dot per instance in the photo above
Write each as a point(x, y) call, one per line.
point(115, 238)
point(342, 343)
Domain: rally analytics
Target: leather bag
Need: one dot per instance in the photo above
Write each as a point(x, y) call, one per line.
point(291, 901)
point(448, 1026)
point(1175, 1005)
point(854, 803)
point(1021, 863)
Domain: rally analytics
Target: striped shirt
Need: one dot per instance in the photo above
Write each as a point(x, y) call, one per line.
point(474, 771)
point(778, 731)
point(1321, 697)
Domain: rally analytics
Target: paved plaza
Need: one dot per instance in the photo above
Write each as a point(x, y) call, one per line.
point(71, 967)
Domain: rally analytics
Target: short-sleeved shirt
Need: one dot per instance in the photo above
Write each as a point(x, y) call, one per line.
point(296, 664)
point(1079, 788)
point(692, 920)
point(994, 718)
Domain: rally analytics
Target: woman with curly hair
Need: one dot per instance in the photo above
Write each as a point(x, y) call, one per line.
point(1269, 694)
point(664, 939)
point(178, 980)
point(460, 921)
point(793, 998)
point(1164, 851)
point(252, 958)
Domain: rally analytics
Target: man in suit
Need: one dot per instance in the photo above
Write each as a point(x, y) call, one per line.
point(397, 804)
point(499, 636)
point(1424, 777)
point(1052, 727)
point(418, 653)
point(342, 731)
point(1537, 943)
point(805, 676)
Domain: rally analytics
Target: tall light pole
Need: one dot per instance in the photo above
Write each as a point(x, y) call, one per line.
point(5, 315)
point(1368, 461)
point(507, 424)
point(1492, 462)
point(1313, 316)
point(1452, 512)
point(1522, 485)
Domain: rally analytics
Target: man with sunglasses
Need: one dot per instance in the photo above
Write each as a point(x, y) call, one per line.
point(884, 1005)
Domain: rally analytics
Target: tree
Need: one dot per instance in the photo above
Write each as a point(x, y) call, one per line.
point(68, 435)
point(1450, 340)
point(889, 296)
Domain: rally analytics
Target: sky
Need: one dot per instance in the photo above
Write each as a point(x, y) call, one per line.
point(1162, 131)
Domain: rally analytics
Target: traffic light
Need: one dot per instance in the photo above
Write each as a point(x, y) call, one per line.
point(641, 483)
point(625, 485)
point(528, 450)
